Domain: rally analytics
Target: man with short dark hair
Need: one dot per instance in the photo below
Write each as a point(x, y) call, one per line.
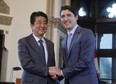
point(36, 53)
point(78, 51)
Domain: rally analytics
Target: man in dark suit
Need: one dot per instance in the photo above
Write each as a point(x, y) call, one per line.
point(78, 51)
point(36, 53)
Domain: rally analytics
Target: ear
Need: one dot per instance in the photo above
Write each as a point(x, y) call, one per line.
point(31, 25)
point(76, 17)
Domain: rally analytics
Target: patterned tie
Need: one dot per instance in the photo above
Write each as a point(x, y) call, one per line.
point(69, 41)
point(42, 48)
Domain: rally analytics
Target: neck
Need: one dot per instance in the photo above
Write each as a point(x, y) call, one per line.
point(39, 36)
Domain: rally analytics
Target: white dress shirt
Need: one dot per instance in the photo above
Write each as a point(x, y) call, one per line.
point(45, 46)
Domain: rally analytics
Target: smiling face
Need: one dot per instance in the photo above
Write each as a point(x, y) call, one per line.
point(39, 27)
point(68, 19)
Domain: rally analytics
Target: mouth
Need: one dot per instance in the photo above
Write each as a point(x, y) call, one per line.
point(66, 23)
point(42, 29)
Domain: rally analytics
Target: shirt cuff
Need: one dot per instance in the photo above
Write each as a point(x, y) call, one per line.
point(62, 73)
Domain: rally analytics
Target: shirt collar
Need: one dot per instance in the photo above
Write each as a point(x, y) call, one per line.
point(37, 39)
point(73, 30)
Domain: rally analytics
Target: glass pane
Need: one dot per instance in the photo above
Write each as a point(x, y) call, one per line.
point(106, 41)
point(106, 67)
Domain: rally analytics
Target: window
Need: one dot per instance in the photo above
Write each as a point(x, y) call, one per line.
point(106, 68)
point(107, 56)
point(106, 41)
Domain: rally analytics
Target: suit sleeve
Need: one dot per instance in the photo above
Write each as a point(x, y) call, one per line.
point(27, 63)
point(87, 45)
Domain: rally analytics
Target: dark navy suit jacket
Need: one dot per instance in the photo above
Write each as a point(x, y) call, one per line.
point(79, 65)
point(35, 68)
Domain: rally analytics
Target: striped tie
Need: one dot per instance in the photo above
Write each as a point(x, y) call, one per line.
point(69, 41)
point(42, 48)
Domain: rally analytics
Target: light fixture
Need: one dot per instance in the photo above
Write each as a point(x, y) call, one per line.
point(12, 72)
point(16, 68)
point(82, 12)
point(112, 11)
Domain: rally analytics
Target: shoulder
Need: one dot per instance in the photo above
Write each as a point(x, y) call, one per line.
point(24, 39)
point(49, 41)
point(86, 31)
point(87, 34)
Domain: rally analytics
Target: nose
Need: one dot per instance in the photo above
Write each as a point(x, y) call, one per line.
point(65, 18)
point(43, 25)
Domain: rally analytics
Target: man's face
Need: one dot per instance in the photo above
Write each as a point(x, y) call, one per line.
point(39, 27)
point(68, 19)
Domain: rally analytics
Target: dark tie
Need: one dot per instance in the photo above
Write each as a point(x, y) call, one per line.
point(42, 48)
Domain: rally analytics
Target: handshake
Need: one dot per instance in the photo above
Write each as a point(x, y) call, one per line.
point(54, 72)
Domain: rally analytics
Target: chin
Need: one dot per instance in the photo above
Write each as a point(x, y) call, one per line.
point(68, 28)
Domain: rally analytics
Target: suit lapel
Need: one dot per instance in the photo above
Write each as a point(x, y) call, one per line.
point(35, 47)
point(33, 43)
point(64, 48)
point(75, 39)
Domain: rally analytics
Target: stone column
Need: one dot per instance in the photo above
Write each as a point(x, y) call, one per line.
point(57, 7)
point(49, 11)
point(68, 2)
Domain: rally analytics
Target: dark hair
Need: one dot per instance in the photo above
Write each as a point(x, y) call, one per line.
point(70, 8)
point(37, 14)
